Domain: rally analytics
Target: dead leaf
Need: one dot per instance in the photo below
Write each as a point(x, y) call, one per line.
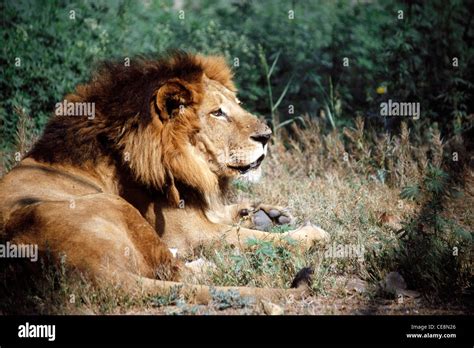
point(392, 221)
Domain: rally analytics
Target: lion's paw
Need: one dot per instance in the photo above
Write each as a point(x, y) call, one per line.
point(279, 215)
point(263, 216)
point(309, 235)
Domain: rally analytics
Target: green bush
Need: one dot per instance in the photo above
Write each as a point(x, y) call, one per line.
point(412, 57)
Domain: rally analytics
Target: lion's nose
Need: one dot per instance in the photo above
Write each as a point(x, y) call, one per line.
point(261, 138)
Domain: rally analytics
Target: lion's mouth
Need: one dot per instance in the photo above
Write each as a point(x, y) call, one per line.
point(248, 167)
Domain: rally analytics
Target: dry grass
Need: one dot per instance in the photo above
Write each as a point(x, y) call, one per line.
point(25, 137)
point(349, 184)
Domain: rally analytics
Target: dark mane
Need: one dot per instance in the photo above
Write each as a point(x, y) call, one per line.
point(137, 130)
point(121, 95)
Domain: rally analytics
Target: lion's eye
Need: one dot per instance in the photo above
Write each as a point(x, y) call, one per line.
point(219, 113)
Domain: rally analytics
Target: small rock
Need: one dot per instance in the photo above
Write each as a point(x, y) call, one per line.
point(262, 221)
point(274, 213)
point(394, 281)
point(282, 220)
point(272, 309)
point(395, 284)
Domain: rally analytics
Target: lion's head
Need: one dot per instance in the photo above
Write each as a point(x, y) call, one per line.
point(228, 141)
point(174, 122)
point(235, 141)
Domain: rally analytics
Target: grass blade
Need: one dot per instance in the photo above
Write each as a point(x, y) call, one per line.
point(284, 123)
point(269, 74)
point(275, 106)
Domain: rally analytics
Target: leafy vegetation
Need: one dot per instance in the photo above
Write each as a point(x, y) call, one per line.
point(49, 48)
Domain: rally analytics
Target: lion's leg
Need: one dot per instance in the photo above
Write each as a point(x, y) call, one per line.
point(98, 234)
point(111, 242)
point(306, 236)
point(186, 229)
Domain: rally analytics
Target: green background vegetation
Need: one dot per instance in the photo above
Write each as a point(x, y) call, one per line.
point(412, 57)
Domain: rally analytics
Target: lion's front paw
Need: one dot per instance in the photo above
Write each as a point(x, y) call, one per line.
point(264, 216)
point(309, 235)
point(279, 215)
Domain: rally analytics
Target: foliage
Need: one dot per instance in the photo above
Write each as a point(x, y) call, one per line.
point(429, 253)
point(229, 299)
point(411, 57)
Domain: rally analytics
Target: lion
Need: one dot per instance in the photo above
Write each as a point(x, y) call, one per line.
point(148, 174)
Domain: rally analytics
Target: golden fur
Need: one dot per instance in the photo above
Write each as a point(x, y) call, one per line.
point(148, 172)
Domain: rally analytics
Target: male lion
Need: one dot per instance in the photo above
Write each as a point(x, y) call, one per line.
point(147, 173)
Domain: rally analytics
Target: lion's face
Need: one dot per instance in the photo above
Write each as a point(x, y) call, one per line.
point(195, 131)
point(235, 141)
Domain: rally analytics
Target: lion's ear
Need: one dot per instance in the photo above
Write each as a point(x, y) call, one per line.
point(172, 98)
